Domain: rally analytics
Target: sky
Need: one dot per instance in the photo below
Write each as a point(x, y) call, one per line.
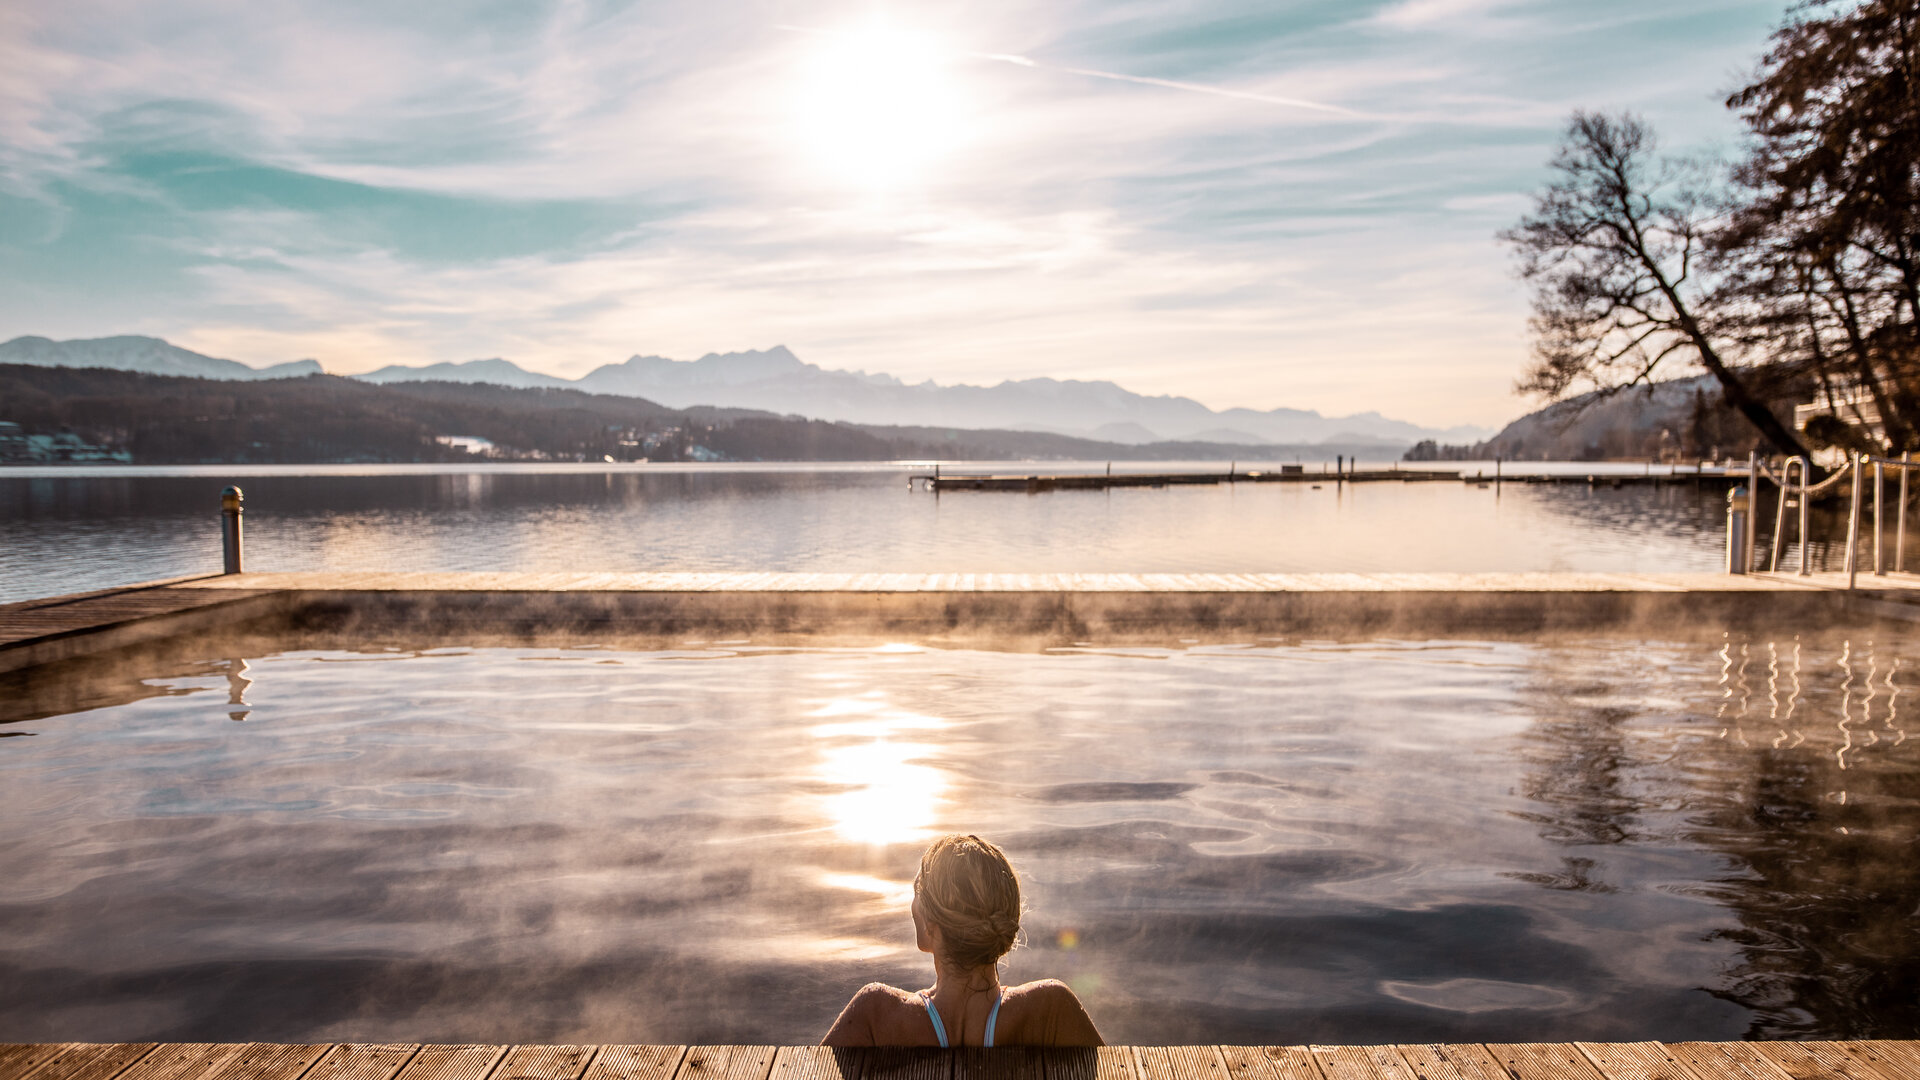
point(1262, 205)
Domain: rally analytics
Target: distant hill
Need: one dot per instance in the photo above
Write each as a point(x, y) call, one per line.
point(775, 380)
point(1677, 419)
point(496, 372)
point(160, 419)
point(144, 354)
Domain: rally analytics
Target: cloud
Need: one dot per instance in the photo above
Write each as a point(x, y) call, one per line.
point(1291, 206)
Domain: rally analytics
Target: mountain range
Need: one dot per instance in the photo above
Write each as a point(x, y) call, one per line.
point(778, 381)
point(150, 356)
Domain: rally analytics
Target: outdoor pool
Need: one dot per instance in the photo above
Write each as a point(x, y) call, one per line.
point(1223, 842)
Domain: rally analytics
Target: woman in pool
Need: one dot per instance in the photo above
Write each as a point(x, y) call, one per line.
point(966, 912)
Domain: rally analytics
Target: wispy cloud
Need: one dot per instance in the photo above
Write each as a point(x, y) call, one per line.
point(1291, 206)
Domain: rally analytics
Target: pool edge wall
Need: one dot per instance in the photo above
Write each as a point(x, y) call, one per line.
point(531, 616)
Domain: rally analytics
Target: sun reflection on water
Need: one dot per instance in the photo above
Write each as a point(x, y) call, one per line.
point(880, 792)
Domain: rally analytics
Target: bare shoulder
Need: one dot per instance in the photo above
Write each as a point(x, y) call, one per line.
point(1046, 1012)
point(873, 1017)
point(1042, 992)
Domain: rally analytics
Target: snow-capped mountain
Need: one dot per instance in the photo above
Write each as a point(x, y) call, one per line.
point(144, 354)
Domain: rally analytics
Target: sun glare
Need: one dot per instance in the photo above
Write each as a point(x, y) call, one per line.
point(877, 106)
point(882, 793)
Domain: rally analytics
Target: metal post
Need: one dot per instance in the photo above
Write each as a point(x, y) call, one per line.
point(1900, 530)
point(1780, 517)
point(1780, 513)
point(1753, 498)
point(1853, 525)
point(230, 511)
point(1806, 497)
point(1879, 530)
point(1737, 515)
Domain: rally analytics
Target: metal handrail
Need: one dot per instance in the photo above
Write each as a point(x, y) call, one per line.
point(1785, 481)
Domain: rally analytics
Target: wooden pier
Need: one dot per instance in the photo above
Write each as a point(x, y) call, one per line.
point(522, 608)
point(1034, 483)
point(1872, 1060)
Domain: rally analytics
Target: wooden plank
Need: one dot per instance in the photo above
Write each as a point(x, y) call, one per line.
point(907, 1063)
point(816, 1063)
point(1801, 1062)
point(1544, 1061)
point(1000, 1063)
point(1889, 1063)
point(1293, 1062)
point(726, 1063)
point(1084, 1063)
point(544, 1063)
point(1180, 1063)
point(109, 1063)
point(1362, 1063)
point(1452, 1061)
point(1904, 1055)
point(270, 1061)
point(183, 1061)
point(18, 1059)
point(1636, 1061)
point(1726, 1061)
point(71, 1058)
point(634, 1062)
point(452, 1062)
point(363, 1061)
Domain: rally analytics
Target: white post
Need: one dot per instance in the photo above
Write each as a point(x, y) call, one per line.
point(1738, 503)
point(1753, 504)
point(1900, 531)
point(1780, 515)
point(1806, 489)
point(1853, 525)
point(1879, 530)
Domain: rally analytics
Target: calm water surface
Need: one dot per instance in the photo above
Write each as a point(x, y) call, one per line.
point(1267, 842)
point(68, 531)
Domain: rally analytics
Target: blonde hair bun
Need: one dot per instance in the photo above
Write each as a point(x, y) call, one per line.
point(969, 890)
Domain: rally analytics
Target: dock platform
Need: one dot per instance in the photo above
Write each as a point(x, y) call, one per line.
point(536, 607)
point(1034, 483)
point(1867, 1060)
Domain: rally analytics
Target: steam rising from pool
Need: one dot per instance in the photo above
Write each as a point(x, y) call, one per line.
point(1259, 842)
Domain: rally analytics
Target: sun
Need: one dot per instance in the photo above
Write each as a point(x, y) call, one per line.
point(876, 105)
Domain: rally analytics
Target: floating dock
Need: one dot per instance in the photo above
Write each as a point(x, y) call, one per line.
point(938, 482)
point(1877, 1060)
point(1043, 608)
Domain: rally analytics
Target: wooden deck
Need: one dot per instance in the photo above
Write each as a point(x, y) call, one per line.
point(1879, 1060)
point(530, 606)
point(39, 631)
point(1893, 585)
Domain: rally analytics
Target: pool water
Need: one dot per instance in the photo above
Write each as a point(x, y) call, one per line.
point(1261, 842)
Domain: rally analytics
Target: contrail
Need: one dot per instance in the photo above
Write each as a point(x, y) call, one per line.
point(1143, 80)
point(1195, 88)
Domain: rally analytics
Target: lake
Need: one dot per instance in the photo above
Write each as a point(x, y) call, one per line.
point(74, 529)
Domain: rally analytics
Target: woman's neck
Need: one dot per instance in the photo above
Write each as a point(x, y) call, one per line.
point(951, 982)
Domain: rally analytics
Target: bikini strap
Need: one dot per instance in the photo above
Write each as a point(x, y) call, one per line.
point(992, 1018)
point(940, 1029)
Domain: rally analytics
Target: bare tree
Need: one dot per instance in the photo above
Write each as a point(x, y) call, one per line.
point(1616, 248)
point(1826, 238)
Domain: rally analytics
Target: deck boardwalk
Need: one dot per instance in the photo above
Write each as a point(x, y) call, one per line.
point(1875, 1060)
point(1075, 605)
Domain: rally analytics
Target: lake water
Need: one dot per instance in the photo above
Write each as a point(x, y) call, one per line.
point(68, 530)
point(1258, 841)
